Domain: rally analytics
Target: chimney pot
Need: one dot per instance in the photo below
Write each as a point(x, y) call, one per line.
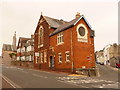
point(77, 15)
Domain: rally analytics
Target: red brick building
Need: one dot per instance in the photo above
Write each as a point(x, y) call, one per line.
point(64, 46)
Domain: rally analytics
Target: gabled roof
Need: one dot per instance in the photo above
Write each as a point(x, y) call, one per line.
point(54, 23)
point(22, 40)
point(70, 24)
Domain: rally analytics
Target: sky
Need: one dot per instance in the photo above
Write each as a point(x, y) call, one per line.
point(22, 16)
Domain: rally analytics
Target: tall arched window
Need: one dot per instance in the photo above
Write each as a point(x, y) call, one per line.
point(40, 37)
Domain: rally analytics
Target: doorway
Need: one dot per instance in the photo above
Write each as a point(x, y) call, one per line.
point(51, 62)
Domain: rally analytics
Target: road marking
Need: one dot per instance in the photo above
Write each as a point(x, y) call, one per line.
point(14, 85)
point(39, 76)
point(77, 75)
point(73, 84)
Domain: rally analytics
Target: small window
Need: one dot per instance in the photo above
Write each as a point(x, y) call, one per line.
point(67, 56)
point(41, 57)
point(81, 31)
point(60, 38)
point(36, 59)
point(60, 57)
point(45, 56)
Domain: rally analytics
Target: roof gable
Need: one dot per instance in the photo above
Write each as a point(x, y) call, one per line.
point(82, 16)
point(22, 40)
point(54, 23)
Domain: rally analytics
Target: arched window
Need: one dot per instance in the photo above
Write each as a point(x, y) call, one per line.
point(40, 37)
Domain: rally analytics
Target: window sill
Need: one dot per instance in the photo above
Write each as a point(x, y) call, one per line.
point(67, 61)
point(60, 43)
point(45, 61)
point(60, 62)
point(39, 46)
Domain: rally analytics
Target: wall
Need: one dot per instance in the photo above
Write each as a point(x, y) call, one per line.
point(80, 49)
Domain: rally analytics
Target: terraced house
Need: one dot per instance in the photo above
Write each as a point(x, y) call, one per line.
point(25, 51)
point(64, 46)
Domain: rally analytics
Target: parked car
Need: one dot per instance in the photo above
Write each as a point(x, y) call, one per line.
point(117, 65)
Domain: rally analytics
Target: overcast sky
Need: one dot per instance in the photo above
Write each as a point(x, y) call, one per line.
point(22, 16)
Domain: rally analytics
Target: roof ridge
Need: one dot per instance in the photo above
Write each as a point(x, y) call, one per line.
point(51, 18)
point(24, 37)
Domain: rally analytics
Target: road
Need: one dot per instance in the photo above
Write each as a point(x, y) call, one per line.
point(27, 78)
point(108, 73)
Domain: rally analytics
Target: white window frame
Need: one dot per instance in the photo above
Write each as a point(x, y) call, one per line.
point(32, 48)
point(18, 50)
point(27, 58)
point(60, 57)
point(67, 54)
point(60, 38)
point(23, 58)
point(23, 49)
point(36, 59)
point(41, 30)
point(18, 58)
point(45, 56)
point(41, 57)
point(82, 38)
point(30, 58)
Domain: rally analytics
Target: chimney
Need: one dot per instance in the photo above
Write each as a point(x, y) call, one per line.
point(77, 15)
point(32, 36)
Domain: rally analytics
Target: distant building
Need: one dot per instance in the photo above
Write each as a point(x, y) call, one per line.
point(7, 49)
point(115, 61)
point(25, 51)
point(100, 57)
point(108, 55)
point(64, 46)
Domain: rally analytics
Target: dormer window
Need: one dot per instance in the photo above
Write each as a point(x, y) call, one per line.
point(40, 37)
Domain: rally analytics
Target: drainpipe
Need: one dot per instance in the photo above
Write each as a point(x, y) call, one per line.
point(73, 70)
point(20, 56)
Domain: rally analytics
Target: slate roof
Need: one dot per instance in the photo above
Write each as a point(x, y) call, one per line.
point(7, 47)
point(54, 23)
point(23, 40)
point(70, 24)
point(30, 42)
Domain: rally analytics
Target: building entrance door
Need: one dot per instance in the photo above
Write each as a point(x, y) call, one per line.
point(51, 62)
